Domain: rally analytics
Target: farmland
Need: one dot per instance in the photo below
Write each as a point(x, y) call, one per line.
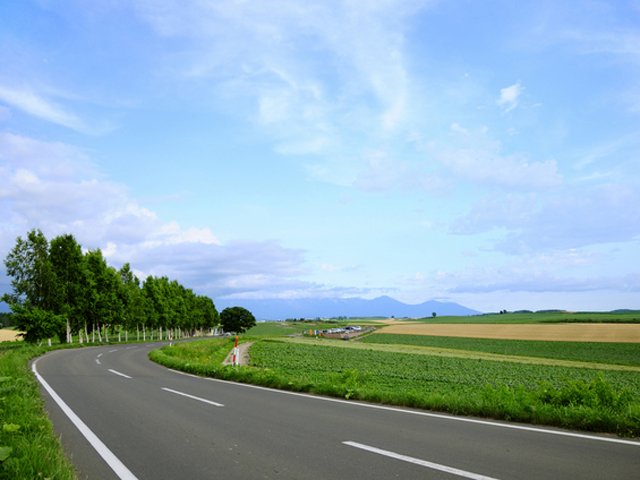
point(596, 332)
point(589, 386)
point(598, 352)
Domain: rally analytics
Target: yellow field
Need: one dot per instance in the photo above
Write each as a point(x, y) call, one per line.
point(8, 335)
point(574, 332)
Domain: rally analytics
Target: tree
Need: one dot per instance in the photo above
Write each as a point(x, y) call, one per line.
point(237, 319)
point(35, 287)
point(104, 308)
point(68, 264)
point(433, 314)
point(132, 299)
point(206, 308)
point(37, 324)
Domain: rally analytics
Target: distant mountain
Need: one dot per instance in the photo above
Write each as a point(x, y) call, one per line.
point(281, 309)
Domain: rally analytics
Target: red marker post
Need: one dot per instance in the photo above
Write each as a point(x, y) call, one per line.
point(235, 353)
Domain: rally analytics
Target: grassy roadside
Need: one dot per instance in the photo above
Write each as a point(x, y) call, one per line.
point(542, 391)
point(28, 447)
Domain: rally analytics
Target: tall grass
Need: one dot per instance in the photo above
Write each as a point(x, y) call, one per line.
point(28, 447)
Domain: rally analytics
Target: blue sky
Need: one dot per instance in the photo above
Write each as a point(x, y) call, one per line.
point(486, 153)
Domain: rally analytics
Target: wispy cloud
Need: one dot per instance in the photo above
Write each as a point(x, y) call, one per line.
point(37, 105)
point(509, 97)
point(354, 85)
point(484, 164)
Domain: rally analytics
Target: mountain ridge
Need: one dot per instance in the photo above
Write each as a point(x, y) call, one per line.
point(281, 309)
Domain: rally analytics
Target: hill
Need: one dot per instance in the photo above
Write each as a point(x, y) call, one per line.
point(281, 309)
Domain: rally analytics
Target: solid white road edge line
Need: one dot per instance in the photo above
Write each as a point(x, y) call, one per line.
point(432, 415)
point(204, 400)
point(118, 373)
point(114, 463)
point(422, 463)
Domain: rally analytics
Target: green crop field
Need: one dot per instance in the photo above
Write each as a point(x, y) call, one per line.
point(544, 391)
point(614, 353)
point(411, 372)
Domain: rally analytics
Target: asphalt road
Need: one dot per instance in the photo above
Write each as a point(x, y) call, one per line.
point(153, 423)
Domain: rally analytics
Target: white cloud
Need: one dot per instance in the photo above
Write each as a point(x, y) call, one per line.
point(455, 127)
point(509, 97)
point(383, 173)
point(353, 85)
point(38, 106)
point(571, 219)
point(55, 187)
point(486, 165)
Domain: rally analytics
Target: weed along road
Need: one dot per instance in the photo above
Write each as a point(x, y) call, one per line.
point(122, 416)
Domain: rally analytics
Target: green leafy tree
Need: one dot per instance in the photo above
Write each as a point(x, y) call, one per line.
point(35, 287)
point(37, 324)
point(68, 264)
point(156, 302)
point(237, 319)
point(132, 300)
point(208, 315)
point(104, 307)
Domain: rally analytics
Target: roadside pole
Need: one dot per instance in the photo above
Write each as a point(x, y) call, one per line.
point(235, 353)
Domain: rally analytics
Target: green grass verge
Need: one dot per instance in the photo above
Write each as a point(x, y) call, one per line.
point(613, 353)
point(28, 447)
point(575, 398)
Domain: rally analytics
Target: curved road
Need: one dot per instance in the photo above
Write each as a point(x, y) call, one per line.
point(141, 420)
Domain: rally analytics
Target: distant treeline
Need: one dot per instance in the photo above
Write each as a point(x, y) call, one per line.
point(60, 291)
point(5, 320)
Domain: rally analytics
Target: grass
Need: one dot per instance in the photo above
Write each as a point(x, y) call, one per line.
point(28, 447)
point(613, 353)
point(569, 397)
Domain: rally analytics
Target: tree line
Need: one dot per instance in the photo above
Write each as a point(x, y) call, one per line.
point(57, 290)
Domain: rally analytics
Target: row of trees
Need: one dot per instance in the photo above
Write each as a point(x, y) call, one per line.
point(60, 291)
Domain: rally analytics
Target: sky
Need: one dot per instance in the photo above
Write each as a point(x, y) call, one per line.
point(484, 153)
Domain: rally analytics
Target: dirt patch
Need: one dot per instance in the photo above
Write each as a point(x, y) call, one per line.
point(243, 358)
point(575, 332)
point(9, 335)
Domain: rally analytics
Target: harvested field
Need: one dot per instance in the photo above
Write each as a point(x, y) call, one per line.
point(575, 332)
point(8, 335)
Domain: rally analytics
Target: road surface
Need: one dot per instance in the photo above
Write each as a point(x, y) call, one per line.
point(141, 420)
